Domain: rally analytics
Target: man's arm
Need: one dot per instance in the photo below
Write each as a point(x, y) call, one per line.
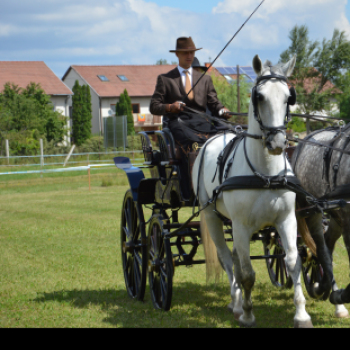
point(213, 103)
point(158, 105)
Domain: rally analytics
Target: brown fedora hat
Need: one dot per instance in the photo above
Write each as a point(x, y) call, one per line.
point(185, 44)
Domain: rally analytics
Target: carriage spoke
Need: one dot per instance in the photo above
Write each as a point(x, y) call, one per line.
point(138, 258)
point(307, 269)
point(137, 276)
point(162, 287)
point(282, 271)
point(277, 269)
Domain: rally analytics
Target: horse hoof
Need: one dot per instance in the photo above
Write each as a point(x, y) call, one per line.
point(303, 324)
point(237, 314)
point(246, 324)
point(342, 314)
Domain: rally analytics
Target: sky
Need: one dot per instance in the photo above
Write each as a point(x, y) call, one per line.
point(122, 32)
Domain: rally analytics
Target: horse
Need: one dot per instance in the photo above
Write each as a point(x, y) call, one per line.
point(261, 156)
point(323, 172)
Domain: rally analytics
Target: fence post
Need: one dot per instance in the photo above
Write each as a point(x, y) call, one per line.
point(41, 153)
point(89, 172)
point(41, 156)
point(7, 151)
point(68, 155)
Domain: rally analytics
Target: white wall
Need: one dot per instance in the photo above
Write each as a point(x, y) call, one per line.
point(61, 104)
point(107, 102)
point(69, 80)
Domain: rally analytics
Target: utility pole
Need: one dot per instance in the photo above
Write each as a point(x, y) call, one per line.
point(238, 94)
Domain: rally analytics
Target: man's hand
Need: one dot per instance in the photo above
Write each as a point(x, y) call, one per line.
point(224, 113)
point(176, 107)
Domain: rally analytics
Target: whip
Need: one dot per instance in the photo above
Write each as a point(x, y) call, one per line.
point(225, 47)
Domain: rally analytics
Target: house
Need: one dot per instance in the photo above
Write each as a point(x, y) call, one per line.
point(108, 82)
point(231, 73)
point(22, 73)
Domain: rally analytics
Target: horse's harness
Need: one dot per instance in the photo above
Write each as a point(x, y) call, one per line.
point(256, 97)
point(258, 180)
point(330, 174)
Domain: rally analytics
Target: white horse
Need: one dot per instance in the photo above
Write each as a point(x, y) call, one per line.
point(254, 209)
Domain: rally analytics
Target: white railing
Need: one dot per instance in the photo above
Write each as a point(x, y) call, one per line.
point(143, 119)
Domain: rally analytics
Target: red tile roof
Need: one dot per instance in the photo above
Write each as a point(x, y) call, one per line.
point(142, 79)
point(22, 73)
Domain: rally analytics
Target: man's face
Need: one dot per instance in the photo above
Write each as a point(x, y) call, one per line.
point(185, 58)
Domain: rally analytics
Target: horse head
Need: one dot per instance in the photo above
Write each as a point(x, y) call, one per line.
point(271, 99)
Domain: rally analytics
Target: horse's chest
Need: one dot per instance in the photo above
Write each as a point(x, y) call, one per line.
point(257, 207)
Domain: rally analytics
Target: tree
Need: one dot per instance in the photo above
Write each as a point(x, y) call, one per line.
point(130, 117)
point(81, 113)
point(86, 113)
point(77, 111)
point(26, 115)
point(227, 95)
point(164, 61)
point(317, 65)
point(124, 107)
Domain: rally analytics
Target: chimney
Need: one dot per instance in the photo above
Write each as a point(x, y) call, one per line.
point(207, 64)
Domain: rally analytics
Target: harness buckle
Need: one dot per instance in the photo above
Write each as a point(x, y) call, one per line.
point(238, 129)
point(268, 183)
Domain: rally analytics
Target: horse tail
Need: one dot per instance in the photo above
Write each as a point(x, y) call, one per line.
point(213, 266)
point(305, 234)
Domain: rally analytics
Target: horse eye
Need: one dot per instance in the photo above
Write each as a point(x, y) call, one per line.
point(260, 97)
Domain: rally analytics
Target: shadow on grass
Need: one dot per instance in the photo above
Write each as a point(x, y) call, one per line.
point(193, 306)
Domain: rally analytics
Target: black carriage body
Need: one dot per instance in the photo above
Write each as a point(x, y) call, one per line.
point(161, 243)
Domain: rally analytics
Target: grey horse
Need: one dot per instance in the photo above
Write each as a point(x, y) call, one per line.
point(324, 172)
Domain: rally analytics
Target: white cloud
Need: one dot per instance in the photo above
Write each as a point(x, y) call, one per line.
point(140, 32)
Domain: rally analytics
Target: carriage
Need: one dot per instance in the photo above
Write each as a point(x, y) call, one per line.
point(155, 246)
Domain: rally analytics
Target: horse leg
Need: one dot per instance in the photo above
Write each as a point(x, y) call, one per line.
point(333, 233)
point(236, 290)
point(245, 274)
point(314, 224)
point(287, 230)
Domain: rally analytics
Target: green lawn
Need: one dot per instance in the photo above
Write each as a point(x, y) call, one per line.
point(60, 264)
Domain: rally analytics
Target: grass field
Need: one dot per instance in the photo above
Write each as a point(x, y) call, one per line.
point(60, 264)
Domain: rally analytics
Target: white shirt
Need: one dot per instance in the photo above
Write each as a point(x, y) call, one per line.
point(183, 75)
point(190, 73)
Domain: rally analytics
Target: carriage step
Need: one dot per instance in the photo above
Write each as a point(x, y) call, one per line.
point(258, 257)
point(191, 224)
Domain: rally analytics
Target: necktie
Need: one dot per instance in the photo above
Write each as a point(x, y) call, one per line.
point(188, 86)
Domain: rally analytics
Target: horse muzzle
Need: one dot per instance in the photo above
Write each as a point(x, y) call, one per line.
point(276, 142)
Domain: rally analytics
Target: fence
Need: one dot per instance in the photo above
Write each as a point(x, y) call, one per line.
point(115, 132)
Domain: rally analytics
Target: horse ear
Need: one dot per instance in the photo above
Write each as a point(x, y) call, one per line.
point(289, 66)
point(257, 64)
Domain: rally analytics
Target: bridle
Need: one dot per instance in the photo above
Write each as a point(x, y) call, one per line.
point(256, 97)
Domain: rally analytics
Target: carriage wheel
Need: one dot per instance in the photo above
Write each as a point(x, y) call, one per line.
point(133, 247)
point(312, 272)
point(160, 265)
point(276, 267)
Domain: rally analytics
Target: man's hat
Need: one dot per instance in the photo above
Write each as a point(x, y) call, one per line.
point(185, 44)
point(196, 64)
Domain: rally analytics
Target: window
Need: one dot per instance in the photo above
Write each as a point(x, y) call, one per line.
point(103, 77)
point(113, 108)
point(122, 77)
point(135, 107)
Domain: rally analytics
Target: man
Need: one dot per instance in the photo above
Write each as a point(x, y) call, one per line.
point(177, 90)
point(197, 66)
point(171, 92)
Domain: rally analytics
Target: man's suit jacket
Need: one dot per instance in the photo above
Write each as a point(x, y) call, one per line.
point(170, 89)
